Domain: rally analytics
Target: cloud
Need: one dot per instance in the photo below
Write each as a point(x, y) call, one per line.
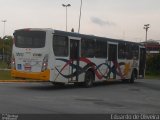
point(101, 22)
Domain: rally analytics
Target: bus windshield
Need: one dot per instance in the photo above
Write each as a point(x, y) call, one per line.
point(30, 39)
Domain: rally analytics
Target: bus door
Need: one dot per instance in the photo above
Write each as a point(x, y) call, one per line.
point(74, 57)
point(112, 58)
point(142, 62)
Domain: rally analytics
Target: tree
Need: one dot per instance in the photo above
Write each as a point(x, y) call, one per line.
point(7, 45)
point(153, 64)
point(1, 48)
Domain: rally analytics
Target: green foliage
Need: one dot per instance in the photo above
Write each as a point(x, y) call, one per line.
point(6, 44)
point(3, 65)
point(152, 77)
point(153, 64)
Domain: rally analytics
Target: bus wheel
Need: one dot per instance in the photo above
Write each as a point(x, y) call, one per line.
point(133, 77)
point(57, 84)
point(88, 82)
point(125, 80)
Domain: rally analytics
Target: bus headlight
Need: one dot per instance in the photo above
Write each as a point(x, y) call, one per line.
point(45, 63)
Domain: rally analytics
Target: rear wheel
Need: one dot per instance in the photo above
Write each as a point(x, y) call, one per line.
point(125, 80)
point(89, 78)
point(58, 84)
point(133, 77)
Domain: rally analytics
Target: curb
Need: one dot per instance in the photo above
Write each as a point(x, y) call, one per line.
point(5, 69)
point(21, 81)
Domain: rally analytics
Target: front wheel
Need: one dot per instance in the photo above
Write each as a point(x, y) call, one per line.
point(89, 78)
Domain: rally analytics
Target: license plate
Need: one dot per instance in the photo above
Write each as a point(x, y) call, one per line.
point(27, 67)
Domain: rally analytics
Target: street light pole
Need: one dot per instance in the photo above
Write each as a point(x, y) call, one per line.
point(4, 21)
point(66, 6)
point(146, 27)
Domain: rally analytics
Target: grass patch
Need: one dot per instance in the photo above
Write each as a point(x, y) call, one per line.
point(152, 77)
point(3, 65)
point(5, 75)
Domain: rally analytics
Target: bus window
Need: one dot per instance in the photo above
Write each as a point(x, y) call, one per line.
point(30, 39)
point(121, 50)
point(135, 51)
point(101, 49)
point(129, 54)
point(60, 46)
point(112, 52)
point(88, 47)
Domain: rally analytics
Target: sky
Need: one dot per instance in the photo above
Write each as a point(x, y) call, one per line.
point(120, 19)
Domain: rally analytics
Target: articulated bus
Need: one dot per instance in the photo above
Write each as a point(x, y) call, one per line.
point(65, 57)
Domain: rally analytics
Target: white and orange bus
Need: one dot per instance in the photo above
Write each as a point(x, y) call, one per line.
point(66, 57)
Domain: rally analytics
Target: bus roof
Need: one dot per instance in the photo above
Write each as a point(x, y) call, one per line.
point(59, 32)
point(74, 34)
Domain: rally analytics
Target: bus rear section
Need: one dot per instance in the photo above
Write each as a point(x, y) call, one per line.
point(29, 55)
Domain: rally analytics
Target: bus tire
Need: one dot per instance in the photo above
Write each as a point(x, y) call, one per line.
point(58, 84)
point(125, 80)
point(133, 77)
point(89, 78)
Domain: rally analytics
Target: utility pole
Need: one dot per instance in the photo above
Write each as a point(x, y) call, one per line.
point(66, 6)
point(80, 17)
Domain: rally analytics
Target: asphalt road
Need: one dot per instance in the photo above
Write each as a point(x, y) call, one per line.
point(111, 97)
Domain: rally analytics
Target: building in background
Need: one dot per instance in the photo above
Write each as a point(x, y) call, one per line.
point(152, 46)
